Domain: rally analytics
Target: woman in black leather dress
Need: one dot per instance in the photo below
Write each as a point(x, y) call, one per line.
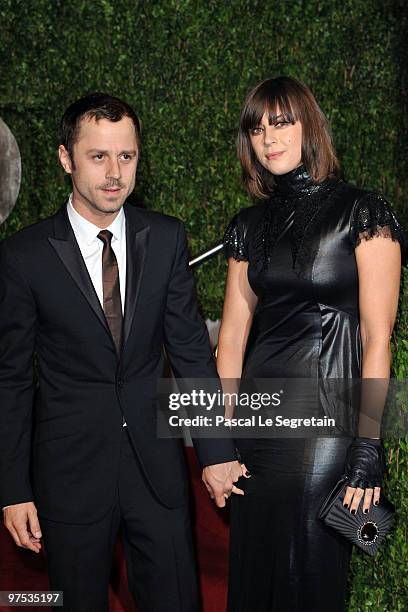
point(310, 294)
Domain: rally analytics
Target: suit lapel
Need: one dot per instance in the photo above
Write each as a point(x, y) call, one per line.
point(65, 245)
point(137, 234)
point(67, 249)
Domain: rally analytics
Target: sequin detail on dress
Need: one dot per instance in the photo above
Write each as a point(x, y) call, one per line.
point(300, 203)
point(373, 216)
point(234, 245)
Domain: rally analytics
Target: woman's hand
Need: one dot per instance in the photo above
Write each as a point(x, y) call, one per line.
point(365, 467)
point(354, 495)
point(220, 479)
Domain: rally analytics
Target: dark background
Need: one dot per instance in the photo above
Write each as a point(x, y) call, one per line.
point(186, 66)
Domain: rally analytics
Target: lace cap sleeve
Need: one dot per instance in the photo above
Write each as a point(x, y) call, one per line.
point(234, 240)
point(373, 216)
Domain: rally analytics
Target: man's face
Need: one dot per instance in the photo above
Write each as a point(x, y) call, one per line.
point(103, 168)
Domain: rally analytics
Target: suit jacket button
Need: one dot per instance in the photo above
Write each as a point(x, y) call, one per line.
point(120, 382)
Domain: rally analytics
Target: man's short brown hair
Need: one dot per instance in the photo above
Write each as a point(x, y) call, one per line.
point(96, 106)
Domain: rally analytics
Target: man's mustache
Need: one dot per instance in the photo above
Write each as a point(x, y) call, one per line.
point(115, 185)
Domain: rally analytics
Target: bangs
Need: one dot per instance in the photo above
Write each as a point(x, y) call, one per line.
point(270, 99)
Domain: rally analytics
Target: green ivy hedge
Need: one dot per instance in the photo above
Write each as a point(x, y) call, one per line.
point(186, 65)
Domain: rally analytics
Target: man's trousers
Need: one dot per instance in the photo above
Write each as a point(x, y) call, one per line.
point(157, 542)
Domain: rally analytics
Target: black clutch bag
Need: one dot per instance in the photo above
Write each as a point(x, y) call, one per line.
point(366, 531)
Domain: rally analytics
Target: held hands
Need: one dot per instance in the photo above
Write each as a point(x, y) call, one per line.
point(219, 480)
point(365, 466)
point(22, 523)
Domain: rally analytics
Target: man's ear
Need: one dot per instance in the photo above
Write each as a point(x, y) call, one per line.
point(65, 159)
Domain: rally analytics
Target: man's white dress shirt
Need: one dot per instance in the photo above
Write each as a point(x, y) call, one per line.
point(86, 234)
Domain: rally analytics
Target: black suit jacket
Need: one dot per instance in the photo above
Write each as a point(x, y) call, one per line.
point(59, 445)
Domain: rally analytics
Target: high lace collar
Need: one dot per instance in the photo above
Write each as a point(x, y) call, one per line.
point(297, 183)
point(299, 197)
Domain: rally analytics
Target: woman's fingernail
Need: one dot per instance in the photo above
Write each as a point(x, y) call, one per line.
point(346, 505)
point(376, 503)
point(247, 474)
point(353, 511)
point(365, 511)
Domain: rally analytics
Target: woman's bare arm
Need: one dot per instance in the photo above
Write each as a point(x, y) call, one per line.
point(379, 271)
point(239, 307)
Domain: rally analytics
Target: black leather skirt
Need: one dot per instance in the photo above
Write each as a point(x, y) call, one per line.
point(282, 557)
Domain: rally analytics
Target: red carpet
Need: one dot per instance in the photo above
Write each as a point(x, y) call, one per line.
point(23, 570)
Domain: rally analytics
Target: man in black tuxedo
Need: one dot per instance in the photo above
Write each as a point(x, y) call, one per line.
point(93, 293)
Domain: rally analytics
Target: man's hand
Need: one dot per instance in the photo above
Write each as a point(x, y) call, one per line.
point(22, 522)
point(219, 480)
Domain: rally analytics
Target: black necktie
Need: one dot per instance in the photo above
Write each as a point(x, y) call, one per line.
point(112, 303)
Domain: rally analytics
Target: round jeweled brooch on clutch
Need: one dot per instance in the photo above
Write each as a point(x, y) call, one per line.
point(368, 533)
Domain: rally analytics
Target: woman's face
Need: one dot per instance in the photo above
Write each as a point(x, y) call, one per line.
point(278, 147)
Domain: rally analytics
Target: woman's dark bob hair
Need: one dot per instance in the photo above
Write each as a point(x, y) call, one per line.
point(289, 97)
